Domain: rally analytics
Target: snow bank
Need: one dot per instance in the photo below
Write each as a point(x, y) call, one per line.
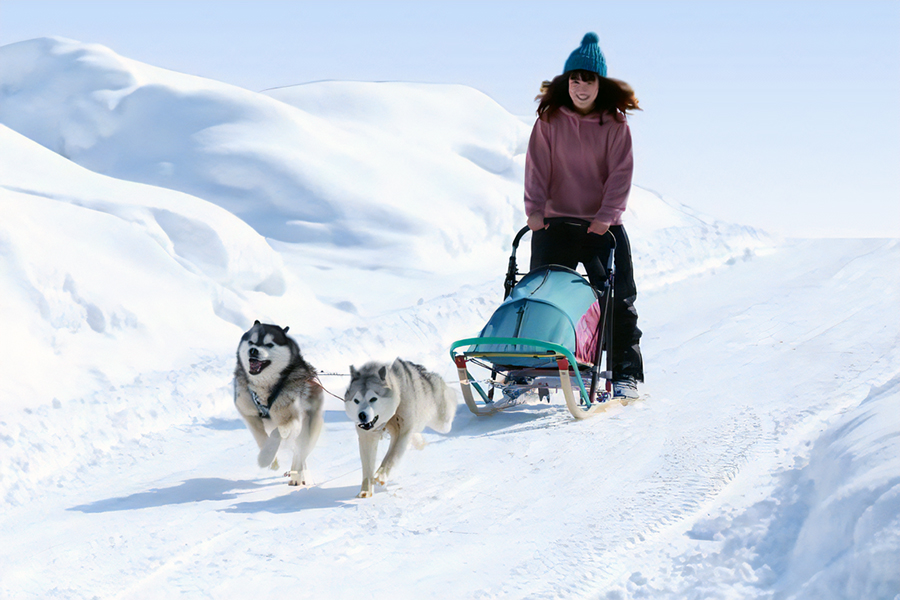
point(420, 175)
point(109, 288)
point(814, 516)
point(97, 269)
point(671, 241)
point(843, 509)
point(830, 528)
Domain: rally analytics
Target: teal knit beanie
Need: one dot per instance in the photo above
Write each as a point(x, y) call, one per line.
point(588, 57)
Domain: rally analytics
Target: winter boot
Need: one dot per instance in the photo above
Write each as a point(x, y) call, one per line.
point(625, 389)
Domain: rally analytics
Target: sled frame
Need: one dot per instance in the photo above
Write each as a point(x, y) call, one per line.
point(569, 374)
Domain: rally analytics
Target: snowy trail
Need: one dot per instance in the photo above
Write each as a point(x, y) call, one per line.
point(743, 364)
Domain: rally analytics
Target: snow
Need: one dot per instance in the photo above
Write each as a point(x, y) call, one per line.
point(151, 216)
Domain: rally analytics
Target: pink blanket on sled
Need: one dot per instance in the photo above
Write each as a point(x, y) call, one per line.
point(586, 335)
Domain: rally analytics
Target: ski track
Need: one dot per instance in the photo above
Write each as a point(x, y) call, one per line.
point(575, 505)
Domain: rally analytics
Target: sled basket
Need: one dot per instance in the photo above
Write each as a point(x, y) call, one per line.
point(545, 305)
point(529, 343)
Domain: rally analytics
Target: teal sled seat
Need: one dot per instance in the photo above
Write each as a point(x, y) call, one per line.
point(544, 306)
point(529, 343)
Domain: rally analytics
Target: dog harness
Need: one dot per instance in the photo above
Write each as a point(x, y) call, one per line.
point(261, 408)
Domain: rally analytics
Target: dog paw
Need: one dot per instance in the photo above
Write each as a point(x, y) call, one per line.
point(381, 477)
point(367, 489)
point(298, 477)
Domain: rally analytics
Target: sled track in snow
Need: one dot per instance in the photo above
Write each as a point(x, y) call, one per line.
point(628, 511)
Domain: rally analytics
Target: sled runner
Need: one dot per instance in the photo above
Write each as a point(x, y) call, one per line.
point(530, 343)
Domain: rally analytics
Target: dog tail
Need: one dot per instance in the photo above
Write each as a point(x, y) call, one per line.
point(446, 409)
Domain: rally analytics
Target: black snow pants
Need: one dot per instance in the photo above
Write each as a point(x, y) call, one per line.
point(566, 242)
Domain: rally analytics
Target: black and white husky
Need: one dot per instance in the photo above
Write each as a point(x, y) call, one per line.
point(401, 399)
point(277, 394)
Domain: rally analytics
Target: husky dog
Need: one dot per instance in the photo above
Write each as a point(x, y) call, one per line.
point(400, 399)
point(276, 393)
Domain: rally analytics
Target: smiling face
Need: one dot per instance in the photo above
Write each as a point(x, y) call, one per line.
point(583, 89)
point(264, 348)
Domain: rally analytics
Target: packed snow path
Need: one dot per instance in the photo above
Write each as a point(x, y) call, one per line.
point(744, 365)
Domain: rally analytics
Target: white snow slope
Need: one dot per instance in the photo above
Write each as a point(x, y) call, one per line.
point(149, 217)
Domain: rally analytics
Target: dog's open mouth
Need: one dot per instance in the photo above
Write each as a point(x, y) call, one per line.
point(257, 366)
point(368, 424)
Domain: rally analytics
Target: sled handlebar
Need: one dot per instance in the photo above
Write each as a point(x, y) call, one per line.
point(512, 268)
point(518, 238)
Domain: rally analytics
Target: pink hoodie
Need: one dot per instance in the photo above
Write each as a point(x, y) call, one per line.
point(576, 167)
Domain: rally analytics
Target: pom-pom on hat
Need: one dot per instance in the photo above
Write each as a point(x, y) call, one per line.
point(587, 57)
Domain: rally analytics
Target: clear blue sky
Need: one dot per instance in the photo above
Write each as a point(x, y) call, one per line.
point(783, 115)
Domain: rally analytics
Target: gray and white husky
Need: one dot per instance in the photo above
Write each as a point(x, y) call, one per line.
point(401, 399)
point(277, 394)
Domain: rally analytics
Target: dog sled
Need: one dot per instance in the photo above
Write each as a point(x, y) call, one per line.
point(532, 342)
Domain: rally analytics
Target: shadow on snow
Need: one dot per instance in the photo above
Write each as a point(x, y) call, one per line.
point(213, 489)
point(298, 500)
point(192, 490)
point(517, 419)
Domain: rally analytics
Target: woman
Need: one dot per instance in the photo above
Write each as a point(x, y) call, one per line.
point(577, 178)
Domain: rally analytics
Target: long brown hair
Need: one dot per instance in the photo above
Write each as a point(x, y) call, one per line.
point(614, 97)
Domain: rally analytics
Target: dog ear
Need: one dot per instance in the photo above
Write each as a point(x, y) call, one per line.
point(382, 372)
point(256, 322)
point(353, 372)
point(285, 329)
